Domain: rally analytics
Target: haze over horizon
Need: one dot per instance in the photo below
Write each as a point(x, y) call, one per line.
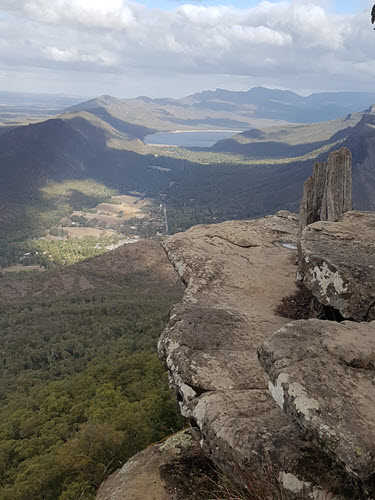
point(172, 48)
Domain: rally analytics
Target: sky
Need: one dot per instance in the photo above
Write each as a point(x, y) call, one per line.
point(175, 47)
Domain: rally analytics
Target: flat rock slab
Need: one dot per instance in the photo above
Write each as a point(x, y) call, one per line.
point(337, 262)
point(236, 274)
point(323, 375)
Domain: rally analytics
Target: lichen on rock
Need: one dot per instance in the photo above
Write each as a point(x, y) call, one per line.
point(337, 263)
point(326, 372)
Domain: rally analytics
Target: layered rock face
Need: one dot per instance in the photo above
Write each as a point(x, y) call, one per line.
point(328, 193)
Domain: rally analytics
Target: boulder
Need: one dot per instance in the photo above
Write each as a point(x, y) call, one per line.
point(323, 376)
point(337, 263)
point(160, 472)
point(328, 193)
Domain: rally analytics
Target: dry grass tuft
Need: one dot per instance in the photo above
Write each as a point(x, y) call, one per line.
point(262, 484)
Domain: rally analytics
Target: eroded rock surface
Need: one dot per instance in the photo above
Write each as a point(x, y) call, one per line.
point(323, 375)
point(236, 274)
point(327, 194)
point(337, 262)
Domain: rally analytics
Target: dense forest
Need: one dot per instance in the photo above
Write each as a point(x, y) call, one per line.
point(215, 193)
point(82, 389)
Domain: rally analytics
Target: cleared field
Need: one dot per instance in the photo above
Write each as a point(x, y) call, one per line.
point(81, 232)
point(19, 267)
point(125, 208)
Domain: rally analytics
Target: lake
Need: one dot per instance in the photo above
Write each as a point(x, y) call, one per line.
point(187, 139)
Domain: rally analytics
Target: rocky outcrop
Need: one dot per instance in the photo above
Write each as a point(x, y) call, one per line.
point(155, 473)
point(337, 263)
point(328, 193)
point(236, 274)
point(322, 374)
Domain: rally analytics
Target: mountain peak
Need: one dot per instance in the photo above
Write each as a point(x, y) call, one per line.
point(371, 110)
point(98, 102)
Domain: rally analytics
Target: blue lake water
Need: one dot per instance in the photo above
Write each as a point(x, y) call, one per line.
point(201, 139)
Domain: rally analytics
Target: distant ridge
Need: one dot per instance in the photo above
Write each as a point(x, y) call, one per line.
point(217, 109)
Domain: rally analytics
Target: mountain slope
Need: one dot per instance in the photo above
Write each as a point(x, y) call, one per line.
point(32, 154)
point(288, 141)
point(355, 131)
point(71, 146)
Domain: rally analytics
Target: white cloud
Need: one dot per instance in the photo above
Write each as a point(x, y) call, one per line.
point(295, 43)
point(110, 14)
point(73, 55)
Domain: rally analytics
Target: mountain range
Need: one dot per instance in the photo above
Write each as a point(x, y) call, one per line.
point(249, 175)
point(257, 107)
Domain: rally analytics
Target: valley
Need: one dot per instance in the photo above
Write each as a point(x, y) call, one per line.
point(193, 138)
point(81, 387)
point(85, 287)
point(56, 173)
point(122, 220)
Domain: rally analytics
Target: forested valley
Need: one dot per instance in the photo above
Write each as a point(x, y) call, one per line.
point(82, 389)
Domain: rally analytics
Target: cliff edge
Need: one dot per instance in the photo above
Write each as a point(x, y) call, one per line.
point(262, 391)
